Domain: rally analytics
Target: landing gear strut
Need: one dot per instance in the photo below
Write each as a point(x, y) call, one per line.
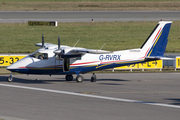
point(93, 78)
point(10, 78)
point(69, 77)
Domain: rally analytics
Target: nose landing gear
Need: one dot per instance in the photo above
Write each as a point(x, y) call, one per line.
point(10, 78)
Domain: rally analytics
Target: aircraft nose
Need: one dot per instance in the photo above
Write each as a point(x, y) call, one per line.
point(11, 68)
point(21, 64)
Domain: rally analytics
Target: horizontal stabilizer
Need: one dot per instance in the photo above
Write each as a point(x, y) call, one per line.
point(158, 58)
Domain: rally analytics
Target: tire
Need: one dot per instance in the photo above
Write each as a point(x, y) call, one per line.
point(93, 79)
point(9, 79)
point(69, 77)
point(79, 78)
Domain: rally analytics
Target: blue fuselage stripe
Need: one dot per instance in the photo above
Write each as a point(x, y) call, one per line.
point(80, 69)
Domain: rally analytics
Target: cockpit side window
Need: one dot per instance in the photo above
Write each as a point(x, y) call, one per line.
point(41, 56)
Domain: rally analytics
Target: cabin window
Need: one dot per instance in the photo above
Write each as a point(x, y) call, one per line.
point(41, 56)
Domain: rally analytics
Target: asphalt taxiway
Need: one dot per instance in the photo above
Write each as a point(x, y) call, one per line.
point(137, 96)
point(87, 16)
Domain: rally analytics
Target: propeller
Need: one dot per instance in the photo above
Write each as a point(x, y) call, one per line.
point(59, 51)
point(42, 41)
point(58, 43)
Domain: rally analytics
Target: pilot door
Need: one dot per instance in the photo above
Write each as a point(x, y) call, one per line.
point(66, 64)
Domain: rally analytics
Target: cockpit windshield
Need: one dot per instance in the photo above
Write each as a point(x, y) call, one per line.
point(39, 55)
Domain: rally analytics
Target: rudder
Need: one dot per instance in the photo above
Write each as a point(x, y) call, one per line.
point(156, 43)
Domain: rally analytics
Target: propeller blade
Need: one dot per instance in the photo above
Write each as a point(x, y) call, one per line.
point(42, 40)
point(58, 43)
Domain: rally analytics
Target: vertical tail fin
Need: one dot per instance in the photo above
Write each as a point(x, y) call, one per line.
point(155, 45)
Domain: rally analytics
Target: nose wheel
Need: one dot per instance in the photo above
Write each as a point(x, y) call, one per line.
point(10, 78)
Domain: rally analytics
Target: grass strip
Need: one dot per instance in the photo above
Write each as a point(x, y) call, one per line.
point(86, 0)
point(83, 5)
point(21, 38)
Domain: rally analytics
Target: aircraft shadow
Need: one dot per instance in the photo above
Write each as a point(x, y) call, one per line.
point(30, 81)
point(41, 81)
point(109, 84)
point(174, 101)
point(111, 80)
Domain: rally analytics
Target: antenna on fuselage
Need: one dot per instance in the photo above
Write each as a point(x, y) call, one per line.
point(42, 40)
point(76, 43)
point(103, 46)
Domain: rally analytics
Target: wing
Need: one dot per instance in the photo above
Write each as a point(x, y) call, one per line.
point(70, 52)
point(49, 45)
point(92, 51)
point(77, 52)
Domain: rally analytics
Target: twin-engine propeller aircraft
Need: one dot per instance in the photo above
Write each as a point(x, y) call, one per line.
point(64, 60)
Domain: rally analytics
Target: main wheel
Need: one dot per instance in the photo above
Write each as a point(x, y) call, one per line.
point(69, 77)
point(79, 78)
point(93, 78)
point(9, 79)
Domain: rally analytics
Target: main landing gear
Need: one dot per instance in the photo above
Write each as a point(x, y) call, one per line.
point(93, 78)
point(80, 78)
point(69, 77)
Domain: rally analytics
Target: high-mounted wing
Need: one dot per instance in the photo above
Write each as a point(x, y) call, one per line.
point(92, 51)
point(72, 52)
point(64, 51)
point(46, 45)
point(49, 45)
